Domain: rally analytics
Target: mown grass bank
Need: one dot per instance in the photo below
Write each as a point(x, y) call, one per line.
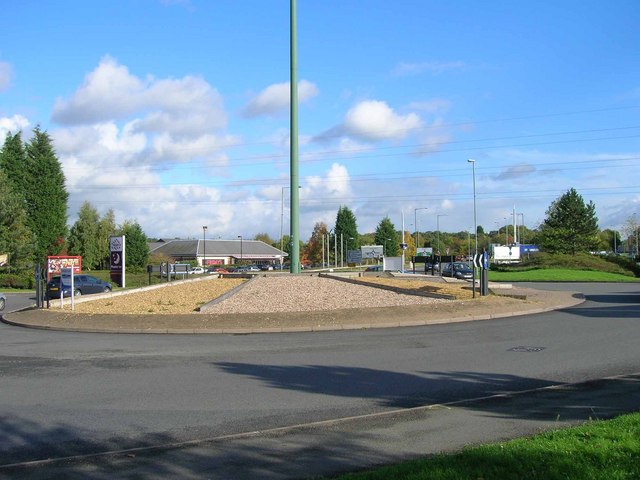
point(597, 450)
point(558, 275)
point(544, 267)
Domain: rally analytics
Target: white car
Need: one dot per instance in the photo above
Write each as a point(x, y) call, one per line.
point(196, 271)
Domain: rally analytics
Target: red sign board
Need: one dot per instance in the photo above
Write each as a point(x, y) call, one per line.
point(55, 264)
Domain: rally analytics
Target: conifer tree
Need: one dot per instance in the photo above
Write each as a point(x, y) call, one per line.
point(16, 239)
point(347, 228)
point(136, 247)
point(387, 236)
point(84, 237)
point(45, 195)
point(571, 226)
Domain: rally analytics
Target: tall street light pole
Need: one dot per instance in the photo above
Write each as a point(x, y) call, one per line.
point(294, 170)
point(240, 237)
point(475, 220)
point(204, 245)
point(282, 220)
point(415, 224)
point(475, 211)
point(438, 237)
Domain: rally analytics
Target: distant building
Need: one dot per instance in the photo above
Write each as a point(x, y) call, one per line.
point(219, 252)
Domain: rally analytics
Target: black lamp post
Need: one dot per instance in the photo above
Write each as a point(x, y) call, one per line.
point(204, 245)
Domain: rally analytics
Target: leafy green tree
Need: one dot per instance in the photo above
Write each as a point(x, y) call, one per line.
point(347, 228)
point(313, 249)
point(571, 226)
point(387, 236)
point(136, 247)
point(264, 237)
point(83, 237)
point(13, 161)
point(16, 239)
point(106, 228)
point(45, 195)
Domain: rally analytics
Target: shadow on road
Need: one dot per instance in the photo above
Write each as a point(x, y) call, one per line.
point(294, 451)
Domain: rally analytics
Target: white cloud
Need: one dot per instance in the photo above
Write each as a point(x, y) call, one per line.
point(373, 120)
point(433, 68)
point(188, 106)
point(13, 124)
point(6, 73)
point(275, 99)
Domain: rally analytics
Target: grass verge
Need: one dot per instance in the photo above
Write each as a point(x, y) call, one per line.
point(596, 450)
point(558, 275)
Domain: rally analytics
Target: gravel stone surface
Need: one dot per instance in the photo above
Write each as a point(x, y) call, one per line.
point(310, 293)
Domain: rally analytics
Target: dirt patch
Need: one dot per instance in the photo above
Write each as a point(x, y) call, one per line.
point(170, 300)
point(460, 290)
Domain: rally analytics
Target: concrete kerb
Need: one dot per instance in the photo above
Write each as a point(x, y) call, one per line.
point(326, 320)
point(207, 307)
point(55, 303)
point(404, 291)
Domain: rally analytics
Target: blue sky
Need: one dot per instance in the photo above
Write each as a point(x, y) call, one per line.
point(175, 113)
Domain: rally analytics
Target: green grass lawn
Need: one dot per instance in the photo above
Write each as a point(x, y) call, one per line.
point(596, 450)
point(558, 275)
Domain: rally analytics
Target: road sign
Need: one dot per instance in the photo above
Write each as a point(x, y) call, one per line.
point(479, 261)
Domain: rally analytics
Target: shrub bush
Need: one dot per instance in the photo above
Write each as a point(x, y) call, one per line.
point(17, 280)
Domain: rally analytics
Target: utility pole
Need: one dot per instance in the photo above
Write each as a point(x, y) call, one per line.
point(294, 174)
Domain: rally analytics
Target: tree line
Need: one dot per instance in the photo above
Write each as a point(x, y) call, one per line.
point(570, 227)
point(33, 212)
point(34, 203)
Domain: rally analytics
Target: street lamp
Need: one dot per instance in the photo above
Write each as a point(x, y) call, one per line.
point(521, 228)
point(415, 223)
point(204, 245)
point(506, 232)
point(438, 237)
point(240, 237)
point(475, 214)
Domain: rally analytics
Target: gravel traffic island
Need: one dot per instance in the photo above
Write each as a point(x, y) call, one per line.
point(309, 293)
point(285, 304)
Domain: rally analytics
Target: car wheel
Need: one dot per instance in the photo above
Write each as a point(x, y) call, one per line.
point(77, 293)
point(106, 290)
point(1, 303)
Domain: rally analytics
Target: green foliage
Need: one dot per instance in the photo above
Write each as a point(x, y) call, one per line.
point(13, 160)
point(595, 450)
point(83, 237)
point(16, 239)
point(346, 226)
point(45, 195)
point(571, 225)
point(387, 236)
point(25, 280)
point(581, 261)
point(624, 262)
point(264, 237)
point(313, 249)
point(106, 228)
point(136, 247)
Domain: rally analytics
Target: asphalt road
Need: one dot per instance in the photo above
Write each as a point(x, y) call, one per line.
point(65, 394)
point(18, 301)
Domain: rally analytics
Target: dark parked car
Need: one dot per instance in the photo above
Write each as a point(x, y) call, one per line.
point(82, 284)
point(3, 301)
point(457, 270)
point(374, 268)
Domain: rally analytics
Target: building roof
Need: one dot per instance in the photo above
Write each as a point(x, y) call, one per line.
point(216, 248)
